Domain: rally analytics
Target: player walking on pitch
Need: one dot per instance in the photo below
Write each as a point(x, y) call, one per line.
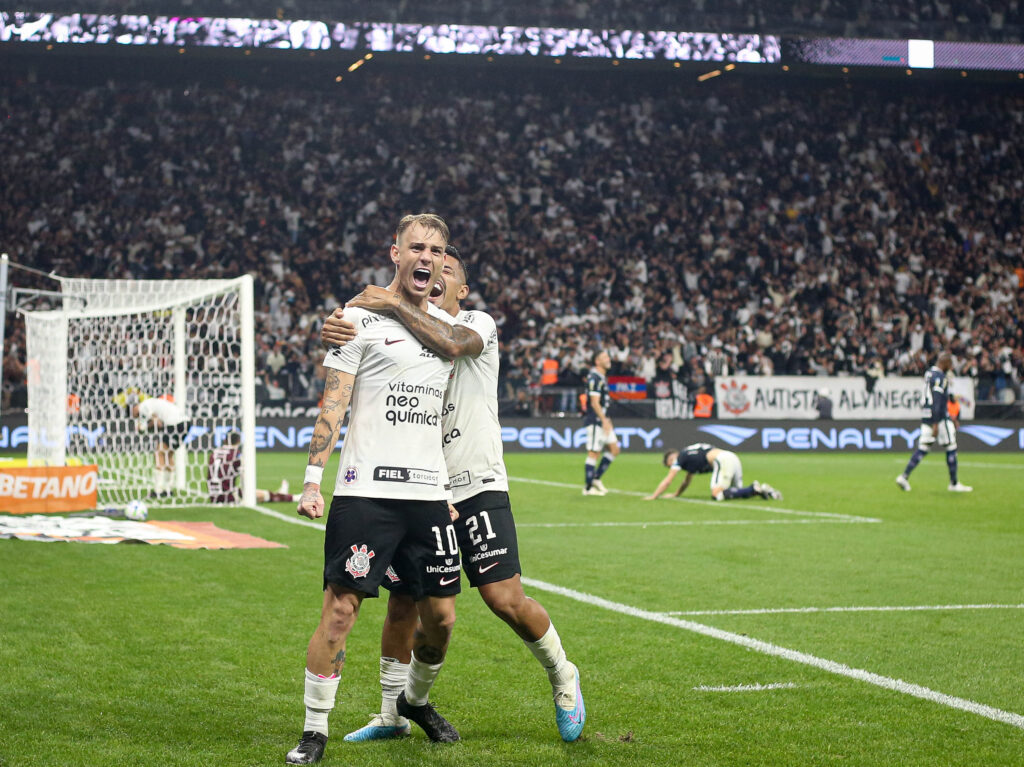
point(602, 444)
point(485, 526)
point(390, 501)
point(937, 425)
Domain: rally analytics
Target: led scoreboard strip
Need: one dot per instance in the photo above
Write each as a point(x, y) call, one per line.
point(204, 31)
point(552, 42)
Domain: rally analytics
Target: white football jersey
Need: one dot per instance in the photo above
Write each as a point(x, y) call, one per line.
point(472, 433)
point(393, 445)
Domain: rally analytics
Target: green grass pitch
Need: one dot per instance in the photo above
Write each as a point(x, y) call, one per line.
point(737, 633)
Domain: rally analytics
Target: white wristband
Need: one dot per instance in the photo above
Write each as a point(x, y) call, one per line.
point(314, 474)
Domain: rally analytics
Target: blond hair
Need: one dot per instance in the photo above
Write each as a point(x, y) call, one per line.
point(429, 221)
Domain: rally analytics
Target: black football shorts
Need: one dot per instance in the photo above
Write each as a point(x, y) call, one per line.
point(365, 537)
point(487, 538)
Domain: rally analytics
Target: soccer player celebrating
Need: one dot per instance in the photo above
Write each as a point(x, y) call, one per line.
point(936, 424)
point(485, 526)
point(390, 503)
point(726, 473)
point(601, 440)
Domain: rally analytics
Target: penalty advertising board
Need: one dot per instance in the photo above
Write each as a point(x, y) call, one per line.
point(642, 435)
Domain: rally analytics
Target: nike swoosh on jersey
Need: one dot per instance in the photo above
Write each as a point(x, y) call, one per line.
point(388, 341)
point(483, 570)
point(448, 582)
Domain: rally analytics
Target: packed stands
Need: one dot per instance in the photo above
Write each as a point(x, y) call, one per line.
point(754, 225)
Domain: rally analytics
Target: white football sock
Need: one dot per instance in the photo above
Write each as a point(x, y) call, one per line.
point(393, 674)
point(168, 479)
point(319, 700)
point(421, 679)
point(548, 650)
point(158, 480)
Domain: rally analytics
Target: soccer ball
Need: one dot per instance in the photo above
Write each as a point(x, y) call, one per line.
point(136, 511)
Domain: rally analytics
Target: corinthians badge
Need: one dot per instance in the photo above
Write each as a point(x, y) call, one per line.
point(358, 565)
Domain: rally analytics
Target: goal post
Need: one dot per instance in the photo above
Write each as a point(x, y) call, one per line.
point(116, 343)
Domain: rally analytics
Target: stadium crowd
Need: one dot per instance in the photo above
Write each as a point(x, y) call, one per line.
point(974, 20)
point(693, 231)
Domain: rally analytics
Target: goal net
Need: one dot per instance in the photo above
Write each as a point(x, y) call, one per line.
point(116, 343)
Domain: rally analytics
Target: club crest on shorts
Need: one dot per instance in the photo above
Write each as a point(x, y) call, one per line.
point(358, 565)
point(351, 475)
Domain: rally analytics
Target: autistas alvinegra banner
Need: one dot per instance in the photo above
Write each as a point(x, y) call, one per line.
point(797, 397)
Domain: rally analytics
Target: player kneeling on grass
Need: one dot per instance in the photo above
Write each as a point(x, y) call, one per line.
point(726, 473)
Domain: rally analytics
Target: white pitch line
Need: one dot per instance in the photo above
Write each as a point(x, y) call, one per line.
point(895, 609)
point(694, 523)
point(747, 687)
point(896, 685)
point(293, 519)
point(757, 507)
point(973, 465)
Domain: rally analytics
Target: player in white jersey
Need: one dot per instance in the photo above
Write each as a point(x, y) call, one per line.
point(485, 526)
point(170, 425)
point(390, 507)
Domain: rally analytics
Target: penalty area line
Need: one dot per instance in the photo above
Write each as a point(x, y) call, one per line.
point(695, 523)
point(832, 667)
point(747, 687)
point(295, 520)
point(755, 506)
point(802, 610)
point(979, 465)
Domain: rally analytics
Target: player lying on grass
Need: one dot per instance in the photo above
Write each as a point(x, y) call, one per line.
point(224, 469)
point(726, 473)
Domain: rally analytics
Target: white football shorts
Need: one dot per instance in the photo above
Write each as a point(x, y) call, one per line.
point(597, 440)
point(726, 471)
point(943, 432)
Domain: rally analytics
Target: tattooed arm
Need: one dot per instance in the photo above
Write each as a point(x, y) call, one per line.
point(337, 394)
point(336, 331)
point(449, 341)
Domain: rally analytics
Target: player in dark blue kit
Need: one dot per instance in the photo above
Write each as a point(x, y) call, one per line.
point(724, 466)
point(601, 440)
point(936, 424)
